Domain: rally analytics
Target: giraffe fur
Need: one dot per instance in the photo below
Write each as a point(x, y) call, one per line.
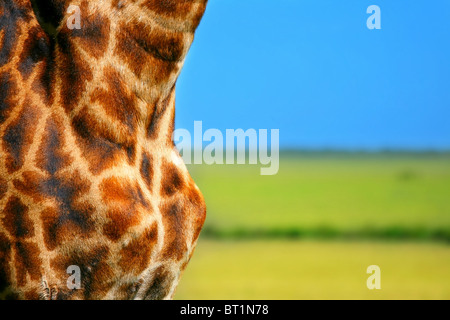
point(89, 174)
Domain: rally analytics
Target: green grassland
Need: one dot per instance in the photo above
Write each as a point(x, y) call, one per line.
point(311, 231)
point(378, 195)
point(271, 269)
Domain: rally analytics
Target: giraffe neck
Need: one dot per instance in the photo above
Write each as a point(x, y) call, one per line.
point(89, 175)
point(115, 76)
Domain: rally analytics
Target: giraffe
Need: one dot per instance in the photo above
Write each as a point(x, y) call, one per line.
point(89, 174)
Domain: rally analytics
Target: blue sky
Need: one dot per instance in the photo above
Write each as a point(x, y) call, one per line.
point(313, 69)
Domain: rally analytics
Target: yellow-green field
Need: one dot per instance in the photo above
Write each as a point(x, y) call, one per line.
point(311, 231)
point(315, 270)
point(340, 192)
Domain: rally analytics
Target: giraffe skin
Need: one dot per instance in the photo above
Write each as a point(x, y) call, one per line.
point(89, 174)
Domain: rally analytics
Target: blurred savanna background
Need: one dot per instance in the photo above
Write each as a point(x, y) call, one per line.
point(364, 172)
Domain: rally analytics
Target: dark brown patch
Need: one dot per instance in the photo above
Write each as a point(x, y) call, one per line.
point(5, 258)
point(100, 151)
point(13, 14)
point(29, 185)
point(136, 255)
point(177, 9)
point(6, 88)
point(94, 32)
point(70, 217)
point(186, 210)
point(74, 71)
point(117, 101)
point(124, 199)
point(157, 116)
point(8, 91)
point(161, 284)
point(27, 261)
point(19, 136)
point(35, 49)
point(43, 85)
point(119, 4)
point(3, 188)
point(174, 221)
point(167, 7)
point(51, 157)
point(172, 179)
point(130, 53)
point(131, 153)
point(16, 219)
point(142, 46)
point(119, 224)
point(161, 44)
point(147, 169)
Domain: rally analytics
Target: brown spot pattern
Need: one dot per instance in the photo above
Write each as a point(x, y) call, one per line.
point(153, 51)
point(136, 255)
point(29, 185)
point(160, 285)
point(70, 218)
point(19, 136)
point(27, 261)
point(140, 45)
point(100, 152)
point(117, 101)
point(96, 273)
point(35, 49)
point(75, 72)
point(3, 188)
point(8, 90)
point(147, 169)
point(51, 157)
point(93, 36)
point(172, 181)
point(126, 202)
point(13, 14)
point(174, 219)
point(154, 126)
point(177, 9)
point(5, 258)
point(16, 219)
